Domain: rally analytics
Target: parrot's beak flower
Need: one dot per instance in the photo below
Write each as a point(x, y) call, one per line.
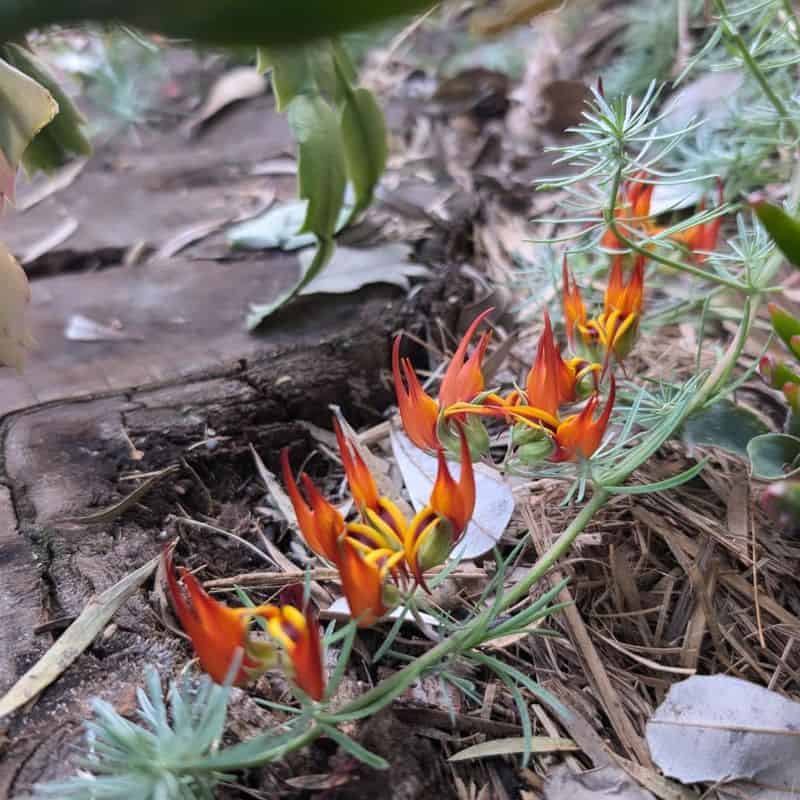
point(462, 382)
point(436, 529)
point(419, 412)
point(320, 523)
point(632, 209)
point(574, 309)
point(298, 633)
point(577, 437)
point(618, 325)
point(217, 631)
point(551, 381)
point(702, 239)
point(363, 571)
point(359, 478)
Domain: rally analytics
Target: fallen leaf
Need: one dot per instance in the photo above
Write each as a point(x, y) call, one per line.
point(609, 782)
point(351, 268)
point(188, 235)
point(241, 83)
point(722, 729)
point(75, 639)
point(84, 329)
point(15, 294)
point(494, 501)
point(278, 228)
point(514, 745)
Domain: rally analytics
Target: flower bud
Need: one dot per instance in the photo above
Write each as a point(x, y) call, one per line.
point(781, 503)
point(437, 546)
point(785, 325)
point(535, 452)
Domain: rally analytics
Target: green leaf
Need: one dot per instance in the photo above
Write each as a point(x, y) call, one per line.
point(321, 173)
point(774, 456)
point(25, 108)
point(786, 326)
point(784, 230)
point(291, 73)
point(724, 425)
point(224, 22)
point(365, 145)
point(60, 140)
point(355, 749)
point(661, 486)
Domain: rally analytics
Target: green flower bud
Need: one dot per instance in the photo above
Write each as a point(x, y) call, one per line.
point(436, 546)
point(784, 324)
point(390, 595)
point(536, 452)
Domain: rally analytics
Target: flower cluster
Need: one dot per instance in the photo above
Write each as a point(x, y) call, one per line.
point(382, 550)
point(632, 214)
point(217, 632)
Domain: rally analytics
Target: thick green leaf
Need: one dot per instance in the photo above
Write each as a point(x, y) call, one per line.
point(291, 73)
point(724, 425)
point(321, 167)
point(783, 229)
point(786, 326)
point(60, 140)
point(229, 22)
point(774, 456)
point(365, 145)
point(25, 108)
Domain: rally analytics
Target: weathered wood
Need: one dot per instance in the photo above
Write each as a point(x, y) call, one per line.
point(64, 458)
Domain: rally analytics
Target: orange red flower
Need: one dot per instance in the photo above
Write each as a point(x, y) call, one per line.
point(462, 382)
point(633, 213)
point(578, 436)
point(217, 632)
point(551, 383)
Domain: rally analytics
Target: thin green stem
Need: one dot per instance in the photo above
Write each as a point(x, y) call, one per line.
point(737, 40)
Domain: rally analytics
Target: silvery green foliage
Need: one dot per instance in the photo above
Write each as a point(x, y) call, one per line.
point(161, 757)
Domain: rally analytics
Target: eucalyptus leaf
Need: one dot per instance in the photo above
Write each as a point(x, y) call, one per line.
point(494, 500)
point(352, 268)
point(784, 230)
point(774, 456)
point(724, 425)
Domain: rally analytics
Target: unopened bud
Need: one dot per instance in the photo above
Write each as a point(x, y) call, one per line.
point(436, 546)
point(536, 452)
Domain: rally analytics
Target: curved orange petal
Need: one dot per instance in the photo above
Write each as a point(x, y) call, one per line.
point(299, 633)
point(320, 523)
point(419, 412)
point(216, 631)
point(463, 381)
point(574, 309)
point(550, 382)
point(359, 478)
point(580, 435)
point(455, 501)
point(362, 583)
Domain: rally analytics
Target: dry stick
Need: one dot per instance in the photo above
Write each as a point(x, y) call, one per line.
point(755, 583)
point(615, 711)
